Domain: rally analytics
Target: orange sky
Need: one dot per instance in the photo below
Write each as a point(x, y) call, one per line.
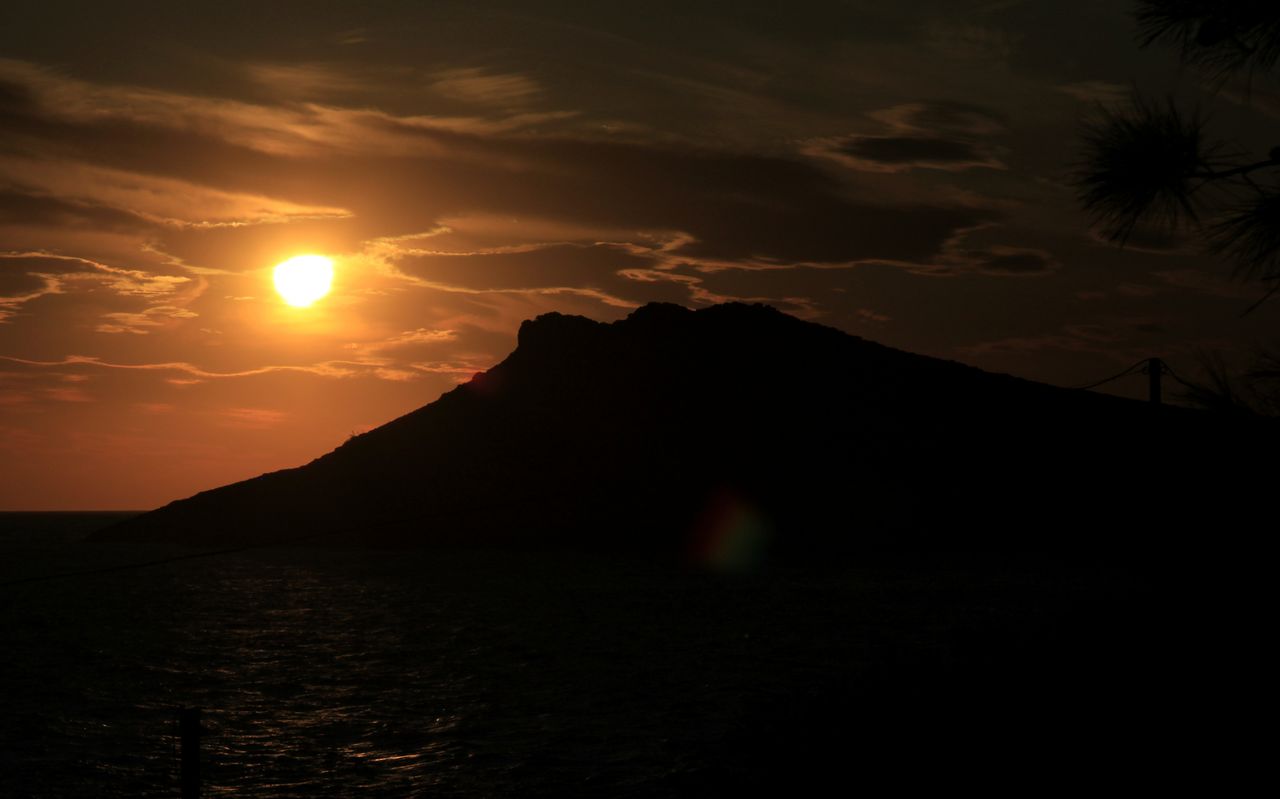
point(898, 172)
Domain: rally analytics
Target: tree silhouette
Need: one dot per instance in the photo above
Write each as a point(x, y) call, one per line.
point(1155, 164)
point(1256, 392)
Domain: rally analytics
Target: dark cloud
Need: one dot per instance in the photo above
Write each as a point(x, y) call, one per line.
point(735, 206)
point(799, 281)
point(913, 151)
point(1151, 240)
point(945, 136)
point(398, 176)
point(28, 208)
point(993, 261)
point(1119, 337)
point(602, 269)
point(14, 96)
point(16, 281)
point(589, 266)
point(951, 118)
point(1006, 261)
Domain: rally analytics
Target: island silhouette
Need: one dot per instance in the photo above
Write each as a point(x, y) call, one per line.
point(737, 435)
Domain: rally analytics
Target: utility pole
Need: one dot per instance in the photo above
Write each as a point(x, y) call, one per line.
point(1154, 369)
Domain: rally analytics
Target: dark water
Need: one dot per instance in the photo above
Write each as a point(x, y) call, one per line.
point(332, 673)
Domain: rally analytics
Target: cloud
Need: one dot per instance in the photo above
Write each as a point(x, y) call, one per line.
point(354, 36)
point(252, 418)
point(1147, 239)
point(396, 175)
point(479, 86)
point(19, 288)
point(868, 315)
point(943, 136)
point(1065, 341)
point(1121, 339)
point(24, 390)
point(64, 270)
point(994, 260)
point(968, 42)
point(405, 345)
point(457, 369)
point(1004, 261)
point(28, 208)
point(325, 369)
point(1205, 282)
point(395, 375)
point(1137, 289)
point(194, 374)
point(952, 118)
point(1097, 91)
point(298, 80)
point(157, 316)
point(197, 138)
point(896, 153)
point(71, 394)
point(1197, 281)
point(613, 273)
point(420, 336)
point(86, 195)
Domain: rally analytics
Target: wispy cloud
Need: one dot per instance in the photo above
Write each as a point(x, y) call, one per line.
point(408, 338)
point(871, 316)
point(474, 85)
point(324, 369)
point(65, 188)
point(252, 418)
point(63, 269)
point(296, 130)
point(157, 316)
point(304, 80)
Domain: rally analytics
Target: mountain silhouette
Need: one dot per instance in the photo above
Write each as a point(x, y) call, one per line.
point(738, 434)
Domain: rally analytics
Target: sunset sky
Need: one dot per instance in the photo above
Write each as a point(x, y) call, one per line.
point(899, 170)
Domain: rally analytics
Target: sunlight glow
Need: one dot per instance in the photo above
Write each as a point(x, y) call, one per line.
point(304, 279)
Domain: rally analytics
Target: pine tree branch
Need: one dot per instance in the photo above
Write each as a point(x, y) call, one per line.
point(1235, 171)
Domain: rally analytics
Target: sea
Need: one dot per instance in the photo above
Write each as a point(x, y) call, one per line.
point(332, 672)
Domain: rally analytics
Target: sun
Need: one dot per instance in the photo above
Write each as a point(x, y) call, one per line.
point(304, 279)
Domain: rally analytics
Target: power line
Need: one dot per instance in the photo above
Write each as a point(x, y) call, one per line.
point(1186, 384)
point(1116, 376)
point(1140, 366)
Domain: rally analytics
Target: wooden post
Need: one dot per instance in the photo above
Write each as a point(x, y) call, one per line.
point(189, 732)
point(1154, 368)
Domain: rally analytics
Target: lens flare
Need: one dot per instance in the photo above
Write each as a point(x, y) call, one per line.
point(731, 536)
